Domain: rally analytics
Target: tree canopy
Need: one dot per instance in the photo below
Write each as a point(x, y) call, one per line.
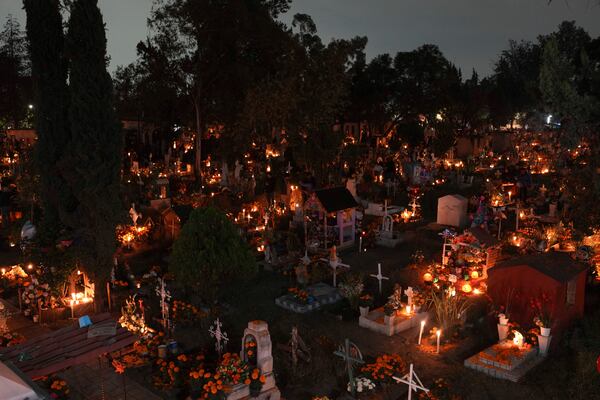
point(210, 252)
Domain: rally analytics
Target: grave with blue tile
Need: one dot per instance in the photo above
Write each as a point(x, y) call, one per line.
point(319, 294)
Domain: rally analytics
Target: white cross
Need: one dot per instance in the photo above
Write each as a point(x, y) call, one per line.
point(412, 380)
point(165, 297)
point(409, 293)
point(334, 264)
point(220, 336)
point(306, 259)
point(379, 276)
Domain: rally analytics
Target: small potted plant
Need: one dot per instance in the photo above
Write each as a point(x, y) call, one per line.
point(364, 302)
point(544, 322)
point(543, 316)
point(389, 312)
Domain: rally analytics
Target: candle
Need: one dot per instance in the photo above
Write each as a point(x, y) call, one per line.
point(421, 331)
point(360, 244)
point(408, 310)
point(438, 333)
point(509, 194)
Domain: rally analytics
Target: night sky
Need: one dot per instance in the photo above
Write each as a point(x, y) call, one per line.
point(471, 33)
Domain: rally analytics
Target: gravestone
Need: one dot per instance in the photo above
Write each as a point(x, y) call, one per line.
point(258, 332)
point(452, 210)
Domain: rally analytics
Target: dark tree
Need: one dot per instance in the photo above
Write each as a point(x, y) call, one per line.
point(92, 160)
point(515, 82)
point(15, 80)
point(210, 252)
point(216, 52)
point(48, 67)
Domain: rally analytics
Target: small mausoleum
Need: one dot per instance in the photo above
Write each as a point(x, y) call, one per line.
point(553, 275)
point(336, 207)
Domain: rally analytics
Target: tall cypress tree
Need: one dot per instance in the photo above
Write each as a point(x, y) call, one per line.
point(93, 158)
point(48, 68)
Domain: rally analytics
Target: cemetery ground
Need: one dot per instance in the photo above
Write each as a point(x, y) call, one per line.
point(325, 329)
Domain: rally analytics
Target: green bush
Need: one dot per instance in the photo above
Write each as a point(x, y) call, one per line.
point(209, 252)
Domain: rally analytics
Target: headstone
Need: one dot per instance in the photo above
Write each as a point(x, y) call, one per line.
point(452, 210)
point(258, 332)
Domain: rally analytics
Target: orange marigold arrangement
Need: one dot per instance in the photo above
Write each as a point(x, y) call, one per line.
point(439, 391)
point(185, 313)
point(255, 381)
point(173, 373)
point(232, 369)
point(250, 349)
point(11, 339)
point(300, 295)
point(57, 388)
point(384, 367)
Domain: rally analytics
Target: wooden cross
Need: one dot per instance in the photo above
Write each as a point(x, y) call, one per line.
point(220, 336)
point(412, 380)
point(379, 276)
point(334, 264)
point(345, 353)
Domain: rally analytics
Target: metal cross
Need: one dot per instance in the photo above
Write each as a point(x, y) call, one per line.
point(379, 276)
point(165, 297)
point(220, 336)
point(346, 354)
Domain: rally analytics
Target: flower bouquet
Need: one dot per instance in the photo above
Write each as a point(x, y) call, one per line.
point(57, 388)
point(543, 315)
point(232, 369)
point(366, 300)
point(300, 295)
point(250, 350)
point(384, 367)
point(255, 381)
point(361, 384)
point(11, 339)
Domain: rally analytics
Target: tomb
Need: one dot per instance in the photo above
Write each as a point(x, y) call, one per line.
point(377, 321)
point(319, 294)
point(505, 360)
